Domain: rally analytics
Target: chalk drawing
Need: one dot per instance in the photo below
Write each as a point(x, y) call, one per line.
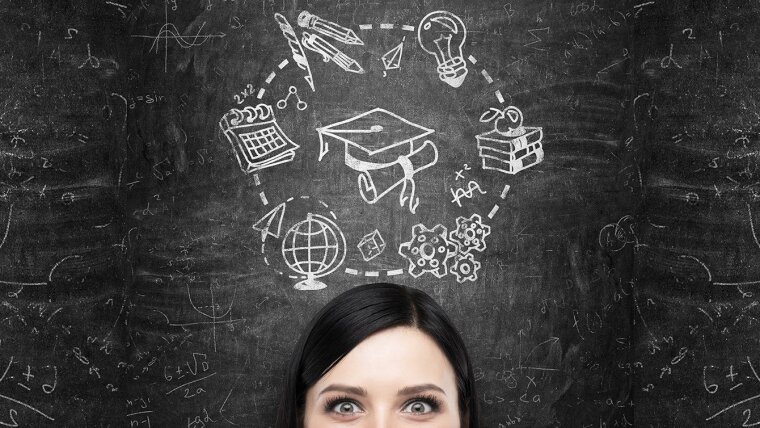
point(328, 28)
point(428, 251)
point(271, 220)
point(169, 31)
point(256, 138)
point(211, 314)
point(313, 247)
point(615, 236)
point(439, 252)
point(442, 34)
point(470, 234)
point(460, 193)
point(510, 147)
point(7, 225)
point(460, 173)
point(465, 268)
point(330, 53)
point(371, 245)
point(295, 48)
point(751, 225)
point(392, 58)
point(292, 91)
point(386, 149)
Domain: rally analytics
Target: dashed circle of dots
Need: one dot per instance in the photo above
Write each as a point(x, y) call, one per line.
point(257, 180)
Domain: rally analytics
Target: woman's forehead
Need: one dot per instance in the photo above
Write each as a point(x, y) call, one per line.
point(400, 355)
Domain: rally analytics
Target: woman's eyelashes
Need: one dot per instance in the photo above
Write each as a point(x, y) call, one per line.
point(423, 405)
point(419, 405)
point(343, 406)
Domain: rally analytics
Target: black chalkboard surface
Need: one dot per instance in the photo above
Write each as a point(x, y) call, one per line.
point(186, 182)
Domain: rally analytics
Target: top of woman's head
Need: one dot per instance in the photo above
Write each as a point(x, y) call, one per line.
point(354, 315)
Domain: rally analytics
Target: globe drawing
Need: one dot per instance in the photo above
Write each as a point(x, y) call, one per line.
point(313, 248)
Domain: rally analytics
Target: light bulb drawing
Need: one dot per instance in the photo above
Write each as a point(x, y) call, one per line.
point(442, 34)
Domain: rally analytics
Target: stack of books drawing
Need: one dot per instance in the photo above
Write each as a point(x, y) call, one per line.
point(513, 149)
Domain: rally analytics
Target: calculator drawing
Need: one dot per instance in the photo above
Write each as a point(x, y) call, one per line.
point(256, 138)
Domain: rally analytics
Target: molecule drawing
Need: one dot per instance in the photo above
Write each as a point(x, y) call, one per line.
point(292, 91)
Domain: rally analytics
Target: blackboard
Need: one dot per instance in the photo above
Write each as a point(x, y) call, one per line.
point(163, 162)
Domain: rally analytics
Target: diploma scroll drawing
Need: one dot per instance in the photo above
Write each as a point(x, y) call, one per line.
point(373, 175)
point(383, 146)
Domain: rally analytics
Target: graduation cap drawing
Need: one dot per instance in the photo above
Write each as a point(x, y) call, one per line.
point(386, 149)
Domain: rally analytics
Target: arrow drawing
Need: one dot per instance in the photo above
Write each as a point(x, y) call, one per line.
point(552, 340)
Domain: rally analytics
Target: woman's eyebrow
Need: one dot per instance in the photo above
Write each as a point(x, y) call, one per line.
point(416, 389)
point(356, 390)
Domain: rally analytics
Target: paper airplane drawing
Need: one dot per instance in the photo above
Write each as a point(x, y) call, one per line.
point(271, 220)
point(386, 149)
point(392, 58)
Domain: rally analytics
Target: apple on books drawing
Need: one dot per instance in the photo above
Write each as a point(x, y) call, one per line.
point(510, 147)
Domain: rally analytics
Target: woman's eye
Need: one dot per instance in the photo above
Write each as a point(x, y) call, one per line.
point(346, 407)
point(418, 407)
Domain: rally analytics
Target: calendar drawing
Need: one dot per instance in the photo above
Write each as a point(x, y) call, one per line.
point(256, 138)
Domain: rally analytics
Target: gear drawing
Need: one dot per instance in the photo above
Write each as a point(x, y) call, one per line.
point(428, 251)
point(470, 234)
point(465, 267)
